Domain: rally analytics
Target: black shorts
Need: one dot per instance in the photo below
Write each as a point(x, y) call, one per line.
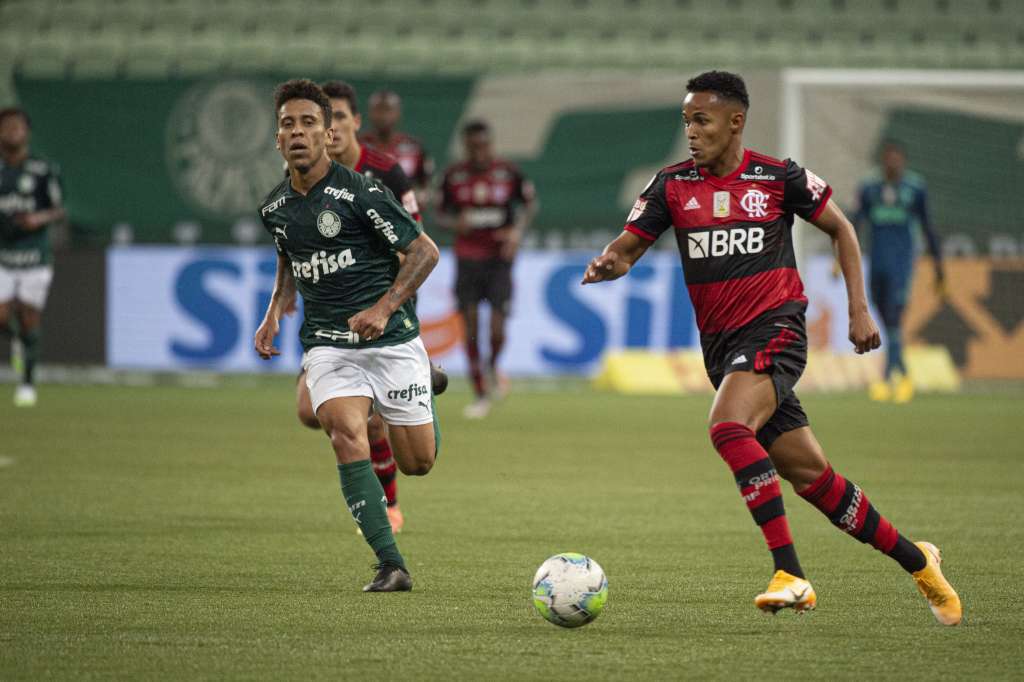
point(484, 280)
point(775, 344)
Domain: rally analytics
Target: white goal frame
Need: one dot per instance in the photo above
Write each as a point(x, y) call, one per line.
point(794, 81)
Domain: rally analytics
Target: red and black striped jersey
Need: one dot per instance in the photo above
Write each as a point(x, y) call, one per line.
point(379, 166)
point(489, 198)
point(734, 233)
point(409, 152)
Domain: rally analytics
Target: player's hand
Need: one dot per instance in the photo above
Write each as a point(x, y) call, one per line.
point(28, 221)
point(369, 323)
point(264, 339)
point(510, 238)
point(602, 268)
point(462, 224)
point(864, 333)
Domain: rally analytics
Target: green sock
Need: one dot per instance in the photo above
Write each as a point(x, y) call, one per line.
point(365, 499)
point(437, 427)
point(30, 354)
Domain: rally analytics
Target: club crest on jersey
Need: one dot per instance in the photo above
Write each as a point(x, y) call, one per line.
point(755, 203)
point(721, 208)
point(26, 183)
point(328, 223)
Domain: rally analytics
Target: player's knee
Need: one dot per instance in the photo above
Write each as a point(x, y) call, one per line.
point(306, 417)
point(346, 442)
point(375, 429)
point(715, 423)
point(418, 463)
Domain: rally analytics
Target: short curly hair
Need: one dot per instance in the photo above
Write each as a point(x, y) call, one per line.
point(303, 88)
point(722, 83)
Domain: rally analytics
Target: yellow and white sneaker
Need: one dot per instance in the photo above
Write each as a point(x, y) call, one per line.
point(903, 390)
point(880, 391)
point(786, 591)
point(942, 598)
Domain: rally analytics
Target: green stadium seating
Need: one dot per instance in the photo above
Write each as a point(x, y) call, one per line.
point(155, 37)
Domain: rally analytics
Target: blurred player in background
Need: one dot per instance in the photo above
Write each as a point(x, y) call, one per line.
point(488, 203)
point(30, 201)
point(385, 115)
point(892, 203)
point(732, 212)
point(337, 234)
point(346, 150)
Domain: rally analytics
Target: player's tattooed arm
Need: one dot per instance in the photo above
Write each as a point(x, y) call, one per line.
point(864, 333)
point(617, 258)
point(420, 258)
point(282, 301)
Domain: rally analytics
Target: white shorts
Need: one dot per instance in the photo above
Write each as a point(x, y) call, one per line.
point(396, 378)
point(28, 285)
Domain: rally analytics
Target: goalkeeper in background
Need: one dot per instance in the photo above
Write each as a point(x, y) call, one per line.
point(892, 202)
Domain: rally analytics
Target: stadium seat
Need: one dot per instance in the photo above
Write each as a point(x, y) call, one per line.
point(199, 36)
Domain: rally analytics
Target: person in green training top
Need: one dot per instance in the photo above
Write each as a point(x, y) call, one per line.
point(338, 234)
point(30, 201)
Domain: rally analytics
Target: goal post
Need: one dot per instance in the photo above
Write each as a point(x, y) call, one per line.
point(963, 131)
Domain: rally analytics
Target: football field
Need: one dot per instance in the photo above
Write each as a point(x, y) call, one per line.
point(199, 533)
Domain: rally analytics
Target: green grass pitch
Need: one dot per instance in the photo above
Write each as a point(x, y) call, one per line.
point(199, 533)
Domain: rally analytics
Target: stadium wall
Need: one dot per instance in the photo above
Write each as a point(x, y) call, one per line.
point(172, 309)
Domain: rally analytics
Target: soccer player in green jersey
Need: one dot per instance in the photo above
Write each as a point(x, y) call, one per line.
point(30, 201)
point(337, 233)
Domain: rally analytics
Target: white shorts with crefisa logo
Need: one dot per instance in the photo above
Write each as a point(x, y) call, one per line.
point(396, 378)
point(27, 285)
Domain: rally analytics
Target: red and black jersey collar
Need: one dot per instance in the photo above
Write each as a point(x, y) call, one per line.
point(744, 162)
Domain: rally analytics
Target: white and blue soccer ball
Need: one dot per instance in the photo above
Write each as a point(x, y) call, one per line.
point(570, 589)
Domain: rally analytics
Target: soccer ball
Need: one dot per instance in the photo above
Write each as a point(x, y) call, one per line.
point(570, 589)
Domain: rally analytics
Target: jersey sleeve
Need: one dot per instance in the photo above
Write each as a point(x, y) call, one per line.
point(650, 215)
point(525, 190)
point(931, 237)
point(805, 194)
point(385, 217)
point(425, 168)
point(400, 185)
point(53, 196)
point(268, 227)
point(446, 196)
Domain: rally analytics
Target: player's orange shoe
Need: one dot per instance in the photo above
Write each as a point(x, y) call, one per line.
point(786, 591)
point(396, 518)
point(942, 598)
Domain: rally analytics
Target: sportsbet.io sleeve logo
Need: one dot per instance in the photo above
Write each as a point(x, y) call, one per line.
point(219, 148)
point(328, 223)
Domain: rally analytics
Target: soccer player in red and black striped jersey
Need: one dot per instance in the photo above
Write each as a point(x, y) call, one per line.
point(385, 115)
point(488, 203)
point(346, 150)
point(732, 213)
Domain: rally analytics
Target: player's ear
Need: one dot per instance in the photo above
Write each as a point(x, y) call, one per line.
point(737, 120)
point(358, 121)
point(330, 135)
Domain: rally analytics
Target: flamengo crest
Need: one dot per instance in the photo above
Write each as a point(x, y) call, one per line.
point(755, 203)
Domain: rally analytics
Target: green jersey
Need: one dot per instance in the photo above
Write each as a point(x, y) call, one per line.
point(342, 238)
point(33, 185)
